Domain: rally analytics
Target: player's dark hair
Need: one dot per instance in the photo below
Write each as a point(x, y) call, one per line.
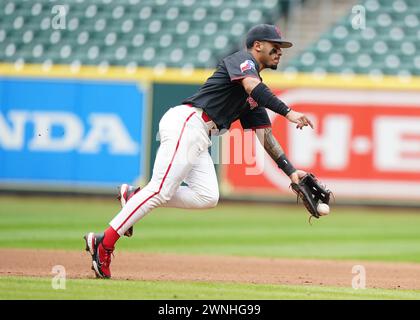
point(249, 44)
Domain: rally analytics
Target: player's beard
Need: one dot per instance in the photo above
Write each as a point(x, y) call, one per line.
point(272, 66)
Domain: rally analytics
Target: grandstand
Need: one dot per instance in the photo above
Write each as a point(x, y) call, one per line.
point(388, 45)
point(173, 33)
point(197, 33)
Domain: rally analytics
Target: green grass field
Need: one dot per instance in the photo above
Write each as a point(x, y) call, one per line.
point(40, 288)
point(241, 230)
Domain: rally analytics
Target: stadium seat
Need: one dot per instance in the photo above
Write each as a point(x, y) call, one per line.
point(144, 32)
point(387, 45)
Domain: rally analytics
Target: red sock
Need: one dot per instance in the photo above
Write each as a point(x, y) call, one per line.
point(111, 236)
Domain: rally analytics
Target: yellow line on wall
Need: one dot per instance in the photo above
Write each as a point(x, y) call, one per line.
point(198, 76)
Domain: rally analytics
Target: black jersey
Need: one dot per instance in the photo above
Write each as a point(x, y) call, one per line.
point(223, 97)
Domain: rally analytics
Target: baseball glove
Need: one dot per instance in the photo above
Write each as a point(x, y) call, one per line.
point(311, 192)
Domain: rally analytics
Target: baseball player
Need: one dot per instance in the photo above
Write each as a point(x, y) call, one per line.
point(234, 91)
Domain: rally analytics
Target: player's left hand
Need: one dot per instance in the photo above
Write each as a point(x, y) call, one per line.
point(299, 118)
point(312, 193)
point(297, 175)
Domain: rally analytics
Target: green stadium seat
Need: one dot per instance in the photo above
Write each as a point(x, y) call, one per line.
point(387, 45)
point(149, 30)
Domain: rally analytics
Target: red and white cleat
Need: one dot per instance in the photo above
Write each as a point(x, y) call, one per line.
point(101, 256)
point(125, 193)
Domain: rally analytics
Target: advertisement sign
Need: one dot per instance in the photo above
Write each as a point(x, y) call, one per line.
point(71, 132)
point(365, 144)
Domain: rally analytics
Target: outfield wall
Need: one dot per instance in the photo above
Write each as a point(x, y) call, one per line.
point(90, 129)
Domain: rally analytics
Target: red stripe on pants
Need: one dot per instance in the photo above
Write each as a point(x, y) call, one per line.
point(164, 177)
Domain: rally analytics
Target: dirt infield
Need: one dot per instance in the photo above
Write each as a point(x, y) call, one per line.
point(148, 266)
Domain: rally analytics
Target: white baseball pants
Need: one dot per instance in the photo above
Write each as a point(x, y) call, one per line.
point(182, 157)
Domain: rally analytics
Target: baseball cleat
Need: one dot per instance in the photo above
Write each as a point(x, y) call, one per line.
point(125, 193)
point(101, 256)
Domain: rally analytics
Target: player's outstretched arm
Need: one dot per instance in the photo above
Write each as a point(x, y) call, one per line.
point(271, 145)
point(249, 84)
point(265, 98)
point(300, 119)
point(275, 151)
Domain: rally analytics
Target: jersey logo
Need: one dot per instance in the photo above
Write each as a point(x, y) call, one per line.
point(247, 65)
point(252, 103)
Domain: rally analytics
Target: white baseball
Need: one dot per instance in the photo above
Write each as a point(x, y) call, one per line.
point(323, 209)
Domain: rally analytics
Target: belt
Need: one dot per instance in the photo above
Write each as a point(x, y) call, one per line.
point(204, 115)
